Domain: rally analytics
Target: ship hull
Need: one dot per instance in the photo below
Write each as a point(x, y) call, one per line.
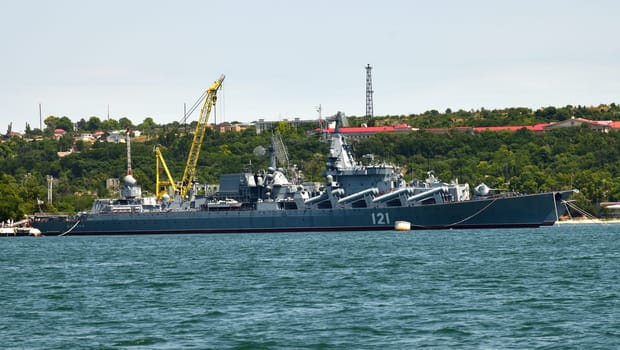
point(534, 210)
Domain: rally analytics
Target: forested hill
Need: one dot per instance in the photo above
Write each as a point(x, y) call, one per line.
point(521, 161)
point(519, 116)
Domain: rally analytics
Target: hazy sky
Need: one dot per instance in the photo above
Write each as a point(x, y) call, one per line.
point(284, 58)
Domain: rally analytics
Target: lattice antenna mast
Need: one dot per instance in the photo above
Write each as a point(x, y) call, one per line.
point(280, 150)
point(128, 143)
point(369, 92)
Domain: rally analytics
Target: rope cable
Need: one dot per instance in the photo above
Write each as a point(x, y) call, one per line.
point(469, 217)
point(71, 229)
point(193, 107)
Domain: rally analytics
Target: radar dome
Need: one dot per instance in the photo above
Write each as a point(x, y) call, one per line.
point(130, 180)
point(482, 190)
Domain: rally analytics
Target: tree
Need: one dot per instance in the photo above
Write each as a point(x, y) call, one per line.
point(125, 123)
point(11, 203)
point(6, 152)
point(110, 124)
point(64, 123)
point(93, 124)
point(81, 125)
point(51, 122)
point(31, 191)
point(147, 126)
point(282, 128)
point(28, 130)
point(65, 143)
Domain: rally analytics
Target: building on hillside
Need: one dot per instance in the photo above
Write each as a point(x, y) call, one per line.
point(263, 125)
point(368, 131)
point(59, 133)
point(268, 125)
point(85, 137)
point(15, 134)
point(62, 154)
point(115, 137)
point(600, 125)
point(447, 130)
point(228, 127)
point(363, 132)
point(113, 185)
point(534, 128)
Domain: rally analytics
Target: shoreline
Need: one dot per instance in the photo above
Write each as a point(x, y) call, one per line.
point(587, 221)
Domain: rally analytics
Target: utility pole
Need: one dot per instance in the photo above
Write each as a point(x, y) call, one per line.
point(50, 181)
point(369, 92)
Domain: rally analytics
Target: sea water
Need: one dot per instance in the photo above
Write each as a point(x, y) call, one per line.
point(548, 288)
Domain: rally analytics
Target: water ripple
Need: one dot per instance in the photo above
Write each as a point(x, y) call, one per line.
point(511, 289)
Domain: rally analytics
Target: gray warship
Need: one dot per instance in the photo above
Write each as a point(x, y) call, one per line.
point(353, 197)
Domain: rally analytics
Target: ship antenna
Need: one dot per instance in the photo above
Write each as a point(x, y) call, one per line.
point(369, 93)
point(339, 119)
point(128, 142)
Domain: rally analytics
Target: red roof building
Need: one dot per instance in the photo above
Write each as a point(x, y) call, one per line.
point(363, 132)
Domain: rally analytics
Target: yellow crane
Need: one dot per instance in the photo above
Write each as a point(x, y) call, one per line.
point(162, 185)
point(184, 186)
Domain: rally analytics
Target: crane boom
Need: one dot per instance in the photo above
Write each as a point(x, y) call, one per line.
point(192, 159)
point(162, 186)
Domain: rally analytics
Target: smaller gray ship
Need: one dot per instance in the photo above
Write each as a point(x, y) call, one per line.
point(353, 197)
